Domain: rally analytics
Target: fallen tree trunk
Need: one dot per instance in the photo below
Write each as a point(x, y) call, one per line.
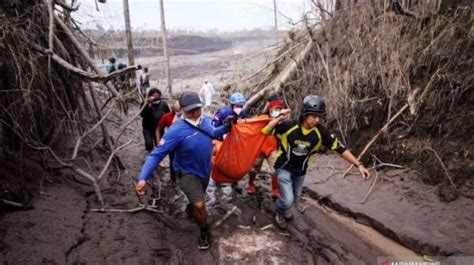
point(273, 61)
point(282, 78)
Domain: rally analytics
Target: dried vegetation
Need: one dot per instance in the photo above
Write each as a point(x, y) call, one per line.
point(371, 61)
point(48, 104)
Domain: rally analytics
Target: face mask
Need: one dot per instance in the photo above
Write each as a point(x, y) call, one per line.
point(156, 102)
point(194, 122)
point(274, 113)
point(237, 110)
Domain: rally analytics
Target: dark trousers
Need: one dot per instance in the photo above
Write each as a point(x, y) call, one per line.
point(172, 172)
point(149, 136)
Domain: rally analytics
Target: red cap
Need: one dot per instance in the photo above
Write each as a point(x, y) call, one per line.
point(276, 103)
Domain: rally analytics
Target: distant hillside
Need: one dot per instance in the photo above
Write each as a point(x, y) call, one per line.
point(148, 43)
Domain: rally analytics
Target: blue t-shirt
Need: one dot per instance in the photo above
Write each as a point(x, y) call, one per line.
point(193, 148)
point(110, 67)
point(223, 113)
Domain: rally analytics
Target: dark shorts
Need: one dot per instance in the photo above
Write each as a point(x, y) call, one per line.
point(193, 187)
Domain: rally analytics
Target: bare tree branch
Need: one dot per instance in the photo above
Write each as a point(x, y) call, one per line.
point(80, 72)
point(133, 210)
point(83, 52)
point(79, 140)
point(274, 60)
point(104, 169)
point(372, 141)
point(105, 132)
point(371, 186)
point(406, 106)
point(67, 7)
point(282, 77)
point(448, 176)
point(13, 204)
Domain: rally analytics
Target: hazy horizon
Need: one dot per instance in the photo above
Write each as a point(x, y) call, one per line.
point(196, 15)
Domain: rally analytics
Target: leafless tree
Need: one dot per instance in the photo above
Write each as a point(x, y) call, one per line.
point(128, 32)
point(165, 48)
point(275, 27)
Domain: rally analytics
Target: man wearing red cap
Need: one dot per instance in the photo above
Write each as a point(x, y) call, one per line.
point(274, 107)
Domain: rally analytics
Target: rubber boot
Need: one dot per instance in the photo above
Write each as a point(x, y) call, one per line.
point(275, 189)
point(251, 185)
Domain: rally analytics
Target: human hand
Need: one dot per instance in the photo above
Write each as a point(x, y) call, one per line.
point(228, 122)
point(140, 188)
point(364, 172)
point(150, 99)
point(283, 114)
point(230, 118)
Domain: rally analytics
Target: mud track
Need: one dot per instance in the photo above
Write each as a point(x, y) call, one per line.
point(62, 229)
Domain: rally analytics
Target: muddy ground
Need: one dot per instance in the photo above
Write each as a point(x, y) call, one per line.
point(63, 227)
point(400, 206)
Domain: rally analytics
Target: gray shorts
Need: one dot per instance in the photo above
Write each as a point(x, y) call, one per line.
point(194, 187)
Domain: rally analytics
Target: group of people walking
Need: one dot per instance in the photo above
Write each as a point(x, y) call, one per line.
point(124, 80)
point(189, 137)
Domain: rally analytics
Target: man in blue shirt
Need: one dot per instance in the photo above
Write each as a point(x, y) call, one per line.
point(190, 138)
point(237, 101)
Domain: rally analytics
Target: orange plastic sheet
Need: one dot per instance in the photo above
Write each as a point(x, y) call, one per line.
point(235, 156)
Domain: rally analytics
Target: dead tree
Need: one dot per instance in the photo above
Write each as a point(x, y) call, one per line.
point(275, 21)
point(165, 48)
point(41, 99)
point(84, 53)
point(283, 77)
point(128, 32)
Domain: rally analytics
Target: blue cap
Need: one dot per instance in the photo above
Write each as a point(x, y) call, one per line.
point(189, 101)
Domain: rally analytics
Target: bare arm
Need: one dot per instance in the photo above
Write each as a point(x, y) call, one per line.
point(349, 157)
point(157, 135)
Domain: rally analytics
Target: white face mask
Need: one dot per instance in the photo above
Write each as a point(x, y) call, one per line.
point(274, 113)
point(237, 110)
point(194, 122)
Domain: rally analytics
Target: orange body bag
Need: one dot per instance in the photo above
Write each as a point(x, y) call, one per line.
point(235, 156)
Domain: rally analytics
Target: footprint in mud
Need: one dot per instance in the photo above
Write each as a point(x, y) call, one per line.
point(255, 247)
point(162, 252)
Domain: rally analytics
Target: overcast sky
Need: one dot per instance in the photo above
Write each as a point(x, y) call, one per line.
point(202, 15)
